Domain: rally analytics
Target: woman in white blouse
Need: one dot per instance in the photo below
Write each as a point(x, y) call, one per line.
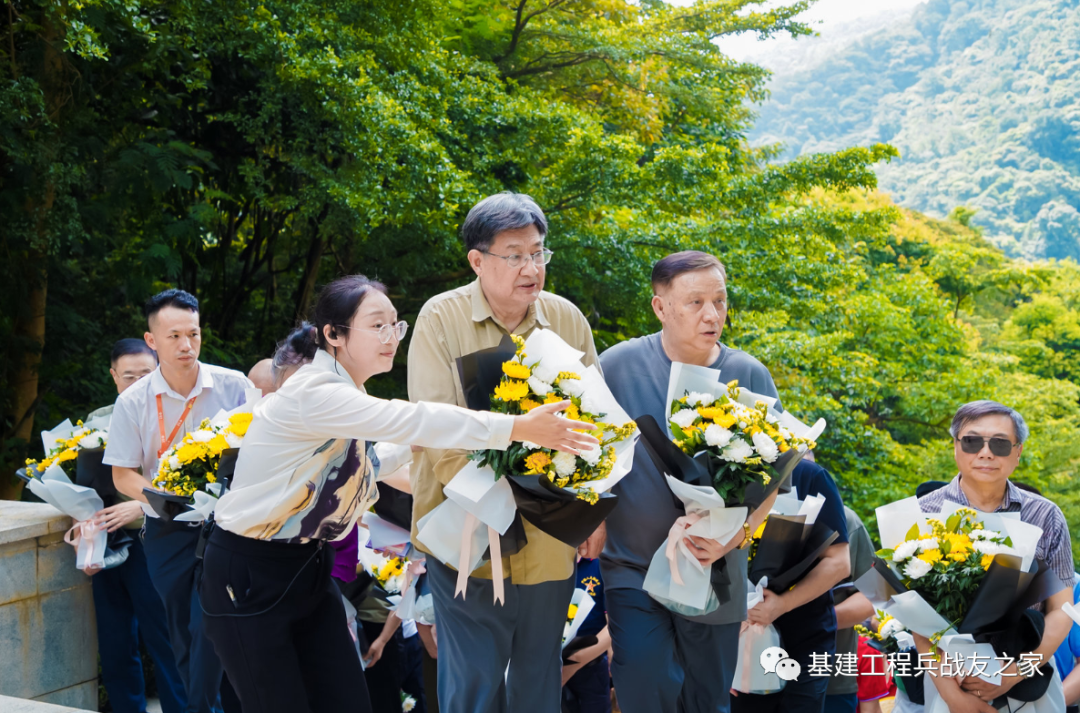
point(306, 472)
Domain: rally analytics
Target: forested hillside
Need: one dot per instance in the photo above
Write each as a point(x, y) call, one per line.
point(980, 98)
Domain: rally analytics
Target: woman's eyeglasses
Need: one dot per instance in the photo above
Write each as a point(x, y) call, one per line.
point(998, 446)
point(385, 332)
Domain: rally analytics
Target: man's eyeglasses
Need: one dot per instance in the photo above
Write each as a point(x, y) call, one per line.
point(515, 261)
point(385, 332)
point(998, 446)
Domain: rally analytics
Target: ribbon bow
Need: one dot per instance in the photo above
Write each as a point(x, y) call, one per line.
point(675, 542)
point(471, 523)
point(81, 536)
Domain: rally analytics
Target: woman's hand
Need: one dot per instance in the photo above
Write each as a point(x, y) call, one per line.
point(116, 516)
point(374, 652)
point(545, 427)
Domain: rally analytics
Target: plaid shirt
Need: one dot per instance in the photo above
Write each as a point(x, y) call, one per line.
point(1054, 546)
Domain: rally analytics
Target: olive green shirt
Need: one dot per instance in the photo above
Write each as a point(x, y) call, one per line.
point(461, 322)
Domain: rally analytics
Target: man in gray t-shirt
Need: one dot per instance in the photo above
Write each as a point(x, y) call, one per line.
point(661, 657)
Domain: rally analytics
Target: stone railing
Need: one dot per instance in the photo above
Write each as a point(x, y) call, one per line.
point(48, 637)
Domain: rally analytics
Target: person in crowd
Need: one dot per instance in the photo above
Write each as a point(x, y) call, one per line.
point(131, 359)
point(504, 236)
point(150, 416)
point(988, 440)
point(804, 615)
point(587, 676)
point(262, 376)
point(1066, 658)
point(125, 603)
point(852, 607)
point(874, 681)
point(303, 477)
point(663, 661)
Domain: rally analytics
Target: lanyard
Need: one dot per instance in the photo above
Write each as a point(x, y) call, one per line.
point(167, 441)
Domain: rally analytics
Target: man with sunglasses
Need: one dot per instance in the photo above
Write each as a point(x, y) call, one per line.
point(988, 439)
point(504, 236)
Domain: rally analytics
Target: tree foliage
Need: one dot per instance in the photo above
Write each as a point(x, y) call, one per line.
point(249, 153)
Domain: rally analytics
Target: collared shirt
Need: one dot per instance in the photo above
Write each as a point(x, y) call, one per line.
point(134, 435)
point(308, 464)
point(461, 322)
point(1054, 548)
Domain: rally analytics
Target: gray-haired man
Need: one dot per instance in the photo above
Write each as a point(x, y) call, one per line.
point(504, 235)
point(988, 438)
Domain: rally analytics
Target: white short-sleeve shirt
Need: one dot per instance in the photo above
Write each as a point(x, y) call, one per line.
point(134, 435)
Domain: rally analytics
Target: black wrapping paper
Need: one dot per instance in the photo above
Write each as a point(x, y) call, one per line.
point(558, 512)
point(166, 505)
point(91, 472)
point(480, 372)
point(788, 548)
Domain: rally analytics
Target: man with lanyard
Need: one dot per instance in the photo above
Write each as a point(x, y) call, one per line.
point(504, 236)
point(148, 418)
point(664, 662)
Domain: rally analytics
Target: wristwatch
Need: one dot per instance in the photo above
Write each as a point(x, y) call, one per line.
point(747, 536)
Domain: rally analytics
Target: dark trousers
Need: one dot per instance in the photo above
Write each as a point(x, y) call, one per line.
point(170, 560)
point(665, 663)
point(478, 638)
point(841, 703)
point(276, 620)
point(386, 677)
point(414, 672)
point(589, 690)
point(806, 695)
point(126, 605)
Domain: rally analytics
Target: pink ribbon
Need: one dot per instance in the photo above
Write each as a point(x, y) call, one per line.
point(81, 537)
point(675, 537)
point(465, 559)
point(413, 570)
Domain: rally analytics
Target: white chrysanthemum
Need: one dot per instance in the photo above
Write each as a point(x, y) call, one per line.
point(917, 569)
point(983, 534)
point(565, 463)
point(986, 547)
point(905, 550)
point(545, 372)
point(592, 457)
point(891, 628)
point(408, 704)
point(737, 451)
point(174, 463)
point(696, 398)
point(929, 543)
point(718, 436)
point(684, 418)
point(531, 446)
point(202, 436)
point(786, 434)
point(574, 387)
point(765, 447)
point(539, 387)
point(590, 404)
point(91, 441)
point(233, 440)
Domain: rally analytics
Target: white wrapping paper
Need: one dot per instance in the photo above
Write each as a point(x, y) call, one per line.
point(585, 605)
point(80, 504)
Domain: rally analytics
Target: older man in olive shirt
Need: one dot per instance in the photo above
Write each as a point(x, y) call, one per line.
point(504, 235)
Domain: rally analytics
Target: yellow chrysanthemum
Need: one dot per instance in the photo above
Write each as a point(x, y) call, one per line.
point(189, 452)
point(516, 370)
point(572, 612)
point(710, 413)
point(572, 413)
point(511, 390)
point(552, 398)
point(69, 454)
point(931, 557)
point(238, 423)
point(528, 405)
point(986, 561)
point(217, 444)
point(537, 462)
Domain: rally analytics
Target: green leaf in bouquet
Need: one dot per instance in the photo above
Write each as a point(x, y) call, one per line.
point(953, 522)
point(680, 435)
point(885, 554)
point(913, 533)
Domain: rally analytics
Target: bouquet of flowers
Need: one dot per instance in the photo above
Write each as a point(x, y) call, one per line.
point(725, 451)
point(964, 579)
point(782, 549)
point(78, 449)
point(388, 571)
point(72, 478)
point(190, 473)
point(562, 494)
point(891, 636)
point(581, 605)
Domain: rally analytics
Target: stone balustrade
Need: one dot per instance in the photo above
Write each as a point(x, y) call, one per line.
point(48, 638)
